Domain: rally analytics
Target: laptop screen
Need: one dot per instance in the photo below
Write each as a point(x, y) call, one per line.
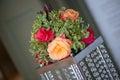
point(106, 14)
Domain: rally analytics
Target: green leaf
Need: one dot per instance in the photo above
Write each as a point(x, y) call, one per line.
point(87, 34)
point(81, 45)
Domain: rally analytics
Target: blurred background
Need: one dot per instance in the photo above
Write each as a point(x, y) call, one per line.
point(16, 19)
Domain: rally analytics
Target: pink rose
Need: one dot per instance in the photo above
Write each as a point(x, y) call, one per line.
point(90, 38)
point(44, 35)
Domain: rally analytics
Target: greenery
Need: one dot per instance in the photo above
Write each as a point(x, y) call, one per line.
point(74, 30)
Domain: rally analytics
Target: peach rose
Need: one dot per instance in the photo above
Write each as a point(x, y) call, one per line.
point(70, 13)
point(59, 48)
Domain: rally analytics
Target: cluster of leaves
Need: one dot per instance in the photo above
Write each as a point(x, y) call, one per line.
point(74, 30)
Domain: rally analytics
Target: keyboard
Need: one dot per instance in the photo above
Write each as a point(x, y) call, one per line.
point(92, 63)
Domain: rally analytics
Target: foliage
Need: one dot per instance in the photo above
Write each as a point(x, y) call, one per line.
point(74, 30)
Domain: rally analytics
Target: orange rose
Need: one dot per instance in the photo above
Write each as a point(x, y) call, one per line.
point(59, 48)
point(70, 13)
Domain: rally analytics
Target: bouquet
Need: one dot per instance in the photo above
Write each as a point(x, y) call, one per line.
point(58, 34)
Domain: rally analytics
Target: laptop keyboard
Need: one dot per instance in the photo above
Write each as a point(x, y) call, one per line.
point(93, 63)
point(98, 65)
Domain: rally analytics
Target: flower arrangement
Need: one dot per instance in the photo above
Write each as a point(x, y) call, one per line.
point(56, 34)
